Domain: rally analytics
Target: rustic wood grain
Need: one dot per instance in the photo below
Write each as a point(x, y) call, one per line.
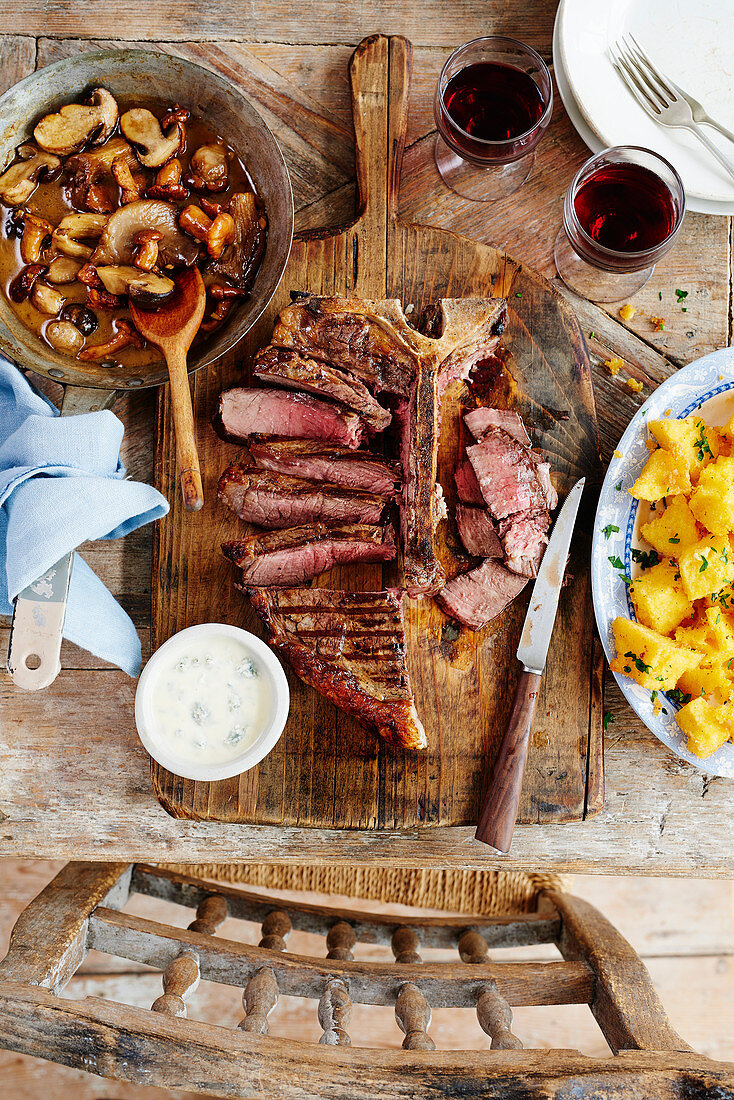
point(72, 775)
point(326, 770)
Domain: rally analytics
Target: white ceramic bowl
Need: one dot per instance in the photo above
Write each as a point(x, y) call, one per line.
point(266, 739)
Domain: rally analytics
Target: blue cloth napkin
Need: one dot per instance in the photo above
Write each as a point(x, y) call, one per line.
point(62, 483)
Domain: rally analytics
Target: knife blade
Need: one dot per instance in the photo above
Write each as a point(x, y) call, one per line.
point(499, 812)
point(541, 616)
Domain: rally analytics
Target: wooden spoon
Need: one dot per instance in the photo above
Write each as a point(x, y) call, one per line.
point(172, 328)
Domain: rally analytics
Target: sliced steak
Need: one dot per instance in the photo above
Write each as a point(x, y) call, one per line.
point(350, 647)
point(479, 420)
point(327, 462)
point(245, 412)
point(477, 597)
point(276, 500)
point(284, 367)
point(301, 553)
point(478, 532)
point(524, 538)
point(467, 485)
point(506, 474)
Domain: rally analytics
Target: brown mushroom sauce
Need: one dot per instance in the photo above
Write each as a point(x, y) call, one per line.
point(204, 174)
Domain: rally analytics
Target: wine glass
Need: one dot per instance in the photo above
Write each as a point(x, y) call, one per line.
point(622, 212)
point(493, 103)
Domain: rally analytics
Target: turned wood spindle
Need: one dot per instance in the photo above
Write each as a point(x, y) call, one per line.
point(212, 911)
point(335, 1012)
point(340, 940)
point(473, 948)
point(413, 1014)
point(259, 998)
point(180, 979)
point(405, 944)
point(275, 929)
point(495, 1018)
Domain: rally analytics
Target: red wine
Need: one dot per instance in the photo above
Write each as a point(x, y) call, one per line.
point(626, 208)
point(491, 101)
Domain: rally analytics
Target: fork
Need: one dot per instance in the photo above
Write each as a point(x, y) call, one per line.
point(659, 97)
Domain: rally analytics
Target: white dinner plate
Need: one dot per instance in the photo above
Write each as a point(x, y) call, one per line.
point(691, 41)
point(708, 385)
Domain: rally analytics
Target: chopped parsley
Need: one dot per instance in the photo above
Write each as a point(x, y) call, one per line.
point(618, 486)
point(704, 565)
point(701, 443)
point(677, 696)
point(518, 294)
point(646, 558)
point(660, 295)
point(608, 717)
point(681, 295)
point(616, 562)
point(592, 335)
point(674, 538)
point(610, 529)
point(638, 662)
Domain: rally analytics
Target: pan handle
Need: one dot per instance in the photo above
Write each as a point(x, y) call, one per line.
point(38, 616)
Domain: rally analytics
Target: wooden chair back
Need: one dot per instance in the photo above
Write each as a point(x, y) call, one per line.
point(84, 909)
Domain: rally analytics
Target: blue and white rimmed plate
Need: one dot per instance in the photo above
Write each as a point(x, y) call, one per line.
point(705, 387)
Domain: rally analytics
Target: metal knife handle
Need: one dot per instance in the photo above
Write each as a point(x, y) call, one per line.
point(713, 149)
point(709, 121)
point(499, 812)
point(35, 635)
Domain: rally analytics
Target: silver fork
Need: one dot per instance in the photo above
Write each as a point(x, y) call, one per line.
point(658, 96)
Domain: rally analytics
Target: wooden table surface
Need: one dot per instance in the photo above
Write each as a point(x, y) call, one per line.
point(74, 779)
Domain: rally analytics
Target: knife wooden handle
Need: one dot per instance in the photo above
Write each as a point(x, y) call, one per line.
point(499, 812)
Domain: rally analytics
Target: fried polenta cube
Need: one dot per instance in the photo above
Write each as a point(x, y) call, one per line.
point(727, 437)
point(654, 661)
point(721, 626)
point(673, 530)
point(698, 636)
point(707, 566)
point(663, 475)
point(705, 727)
point(712, 501)
point(659, 599)
point(688, 439)
point(707, 682)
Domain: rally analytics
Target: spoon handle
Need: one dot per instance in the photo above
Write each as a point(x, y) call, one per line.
point(183, 420)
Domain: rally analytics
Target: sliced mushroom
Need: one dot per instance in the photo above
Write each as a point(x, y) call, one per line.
point(47, 299)
point(70, 128)
point(208, 168)
point(123, 338)
point(143, 129)
point(74, 226)
point(93, 170)
point(65, 337)
point(146, 288)
point(241, 259)
point(117, 243)
point(62, 269)
point(20, 180)
point(23, 283)
point(37, 235)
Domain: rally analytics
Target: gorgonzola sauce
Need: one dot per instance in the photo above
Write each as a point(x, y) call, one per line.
point(210, 700)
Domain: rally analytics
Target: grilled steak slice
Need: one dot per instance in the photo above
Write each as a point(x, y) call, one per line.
point(524, 538)
point(244, 412)
point(467, 486)
point(506, 474)
point(477, 597)
point(478, 532)
point(327, 462)
point(353, 335)
point(287, 368)
point(276, 500)
point(301, 553)
point(350, 647)
point(479, 420)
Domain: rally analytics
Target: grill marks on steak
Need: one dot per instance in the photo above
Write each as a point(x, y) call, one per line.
point(287, 368)
point(276, 501)
point(477, 597)
point(244, 412)
point(327, 462)
point(301, 553)
point(350, 647)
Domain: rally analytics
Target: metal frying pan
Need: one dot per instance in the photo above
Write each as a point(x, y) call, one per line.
point(35, 641)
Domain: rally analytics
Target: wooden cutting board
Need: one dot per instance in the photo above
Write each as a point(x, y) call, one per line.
point(326, 770)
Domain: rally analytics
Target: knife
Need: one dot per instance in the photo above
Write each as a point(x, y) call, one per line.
point(499, 813)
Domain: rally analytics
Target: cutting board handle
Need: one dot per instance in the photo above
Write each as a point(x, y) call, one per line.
point(379, 73)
